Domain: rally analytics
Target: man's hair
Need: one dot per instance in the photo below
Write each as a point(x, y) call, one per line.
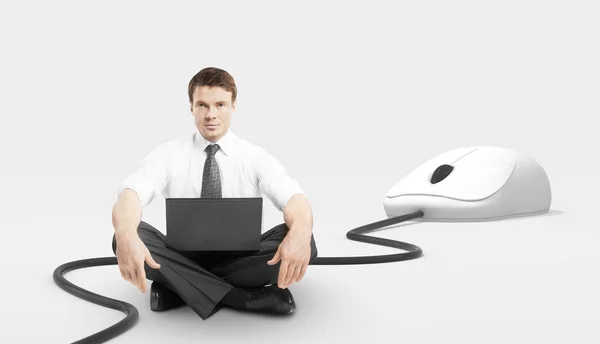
point(212, 76)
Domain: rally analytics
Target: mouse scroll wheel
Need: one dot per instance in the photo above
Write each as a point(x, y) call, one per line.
point(441, 173)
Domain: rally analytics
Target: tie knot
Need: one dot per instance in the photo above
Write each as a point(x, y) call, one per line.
point(211, 149)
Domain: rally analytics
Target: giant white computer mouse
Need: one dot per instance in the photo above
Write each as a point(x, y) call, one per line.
point(472, 184)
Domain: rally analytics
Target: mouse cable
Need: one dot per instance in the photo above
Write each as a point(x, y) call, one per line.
point(132, 314)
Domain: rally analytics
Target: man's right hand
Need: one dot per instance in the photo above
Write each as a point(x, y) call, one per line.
point(131, 255)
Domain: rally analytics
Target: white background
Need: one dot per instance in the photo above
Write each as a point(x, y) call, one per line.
point(350, 97)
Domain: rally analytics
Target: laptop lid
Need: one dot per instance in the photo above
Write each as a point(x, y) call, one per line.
point(214, 224)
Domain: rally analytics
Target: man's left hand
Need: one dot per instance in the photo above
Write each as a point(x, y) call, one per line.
point(294, 253)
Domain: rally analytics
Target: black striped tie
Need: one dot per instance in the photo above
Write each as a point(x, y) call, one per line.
point(211, 178)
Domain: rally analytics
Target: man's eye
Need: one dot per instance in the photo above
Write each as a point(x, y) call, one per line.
point(221, 105)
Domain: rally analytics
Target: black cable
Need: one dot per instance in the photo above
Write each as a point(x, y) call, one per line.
point(132, 313)
point(356, 235)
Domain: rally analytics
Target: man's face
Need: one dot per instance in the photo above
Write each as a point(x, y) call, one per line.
point(212, 109)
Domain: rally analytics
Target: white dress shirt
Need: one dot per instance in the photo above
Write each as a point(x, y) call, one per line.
point(174, 169)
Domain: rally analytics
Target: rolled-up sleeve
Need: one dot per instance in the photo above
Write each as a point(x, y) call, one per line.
point(150, 179)
point(274, 181)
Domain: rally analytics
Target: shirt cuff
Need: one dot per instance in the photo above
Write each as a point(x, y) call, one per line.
point(143, 190)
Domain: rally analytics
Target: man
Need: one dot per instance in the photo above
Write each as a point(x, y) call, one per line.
point(213, 162)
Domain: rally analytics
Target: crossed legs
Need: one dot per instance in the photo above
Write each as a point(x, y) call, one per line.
point(202, 280)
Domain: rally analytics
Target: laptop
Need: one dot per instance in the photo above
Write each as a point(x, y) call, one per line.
point(214, 224)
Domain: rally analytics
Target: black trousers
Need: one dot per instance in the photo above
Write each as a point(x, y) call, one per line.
point(202, 279)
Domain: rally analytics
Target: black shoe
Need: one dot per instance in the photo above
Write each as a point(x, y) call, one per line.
point(162, 298)
point(271, 299)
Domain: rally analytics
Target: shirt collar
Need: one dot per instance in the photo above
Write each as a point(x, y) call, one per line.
point(226, 143)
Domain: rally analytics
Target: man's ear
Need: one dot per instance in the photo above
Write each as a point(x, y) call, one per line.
point(233, 106)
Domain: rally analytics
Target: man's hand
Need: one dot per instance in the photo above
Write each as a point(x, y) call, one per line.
point(131, 255)
point(294, 253)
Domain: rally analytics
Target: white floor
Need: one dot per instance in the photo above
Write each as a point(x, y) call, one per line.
point(525, 280)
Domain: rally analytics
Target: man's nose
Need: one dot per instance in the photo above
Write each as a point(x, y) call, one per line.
point(211, 113)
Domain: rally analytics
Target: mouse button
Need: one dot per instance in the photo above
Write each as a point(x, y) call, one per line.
point(453, 155)
point(410, 183)
point(489, 156)
point(475, 182)
point(415, 179)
